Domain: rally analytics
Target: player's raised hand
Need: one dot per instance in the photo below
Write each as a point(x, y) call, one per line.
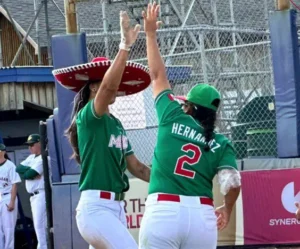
point(150, 18)
point(128, 34)
point(223, 216)
point(298, 210)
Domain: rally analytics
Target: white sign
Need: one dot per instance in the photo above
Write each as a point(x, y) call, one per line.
point(289, 196)
point(131, 111)
point(135, 200)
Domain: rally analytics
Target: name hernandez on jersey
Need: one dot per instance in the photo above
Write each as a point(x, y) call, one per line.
point(190, 133)
point(180, 165)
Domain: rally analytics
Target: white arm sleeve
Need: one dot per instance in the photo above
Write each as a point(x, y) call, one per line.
point(228, 178)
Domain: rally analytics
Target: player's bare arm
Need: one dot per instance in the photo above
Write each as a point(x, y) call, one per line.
point(156, 65)
point(230, 182)
point(112, 79)
point(298, 210)
point(137, 168)
point(11, 205)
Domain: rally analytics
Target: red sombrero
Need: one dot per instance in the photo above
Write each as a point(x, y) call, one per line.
point(136, 76)
point(182, 98)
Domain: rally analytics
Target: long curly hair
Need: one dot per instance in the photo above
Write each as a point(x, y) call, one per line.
point(207, 118)
point(80, 100)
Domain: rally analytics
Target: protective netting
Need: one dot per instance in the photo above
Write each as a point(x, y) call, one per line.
point(225, 43)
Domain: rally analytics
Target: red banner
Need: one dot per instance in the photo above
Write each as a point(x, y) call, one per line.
point(269, 206)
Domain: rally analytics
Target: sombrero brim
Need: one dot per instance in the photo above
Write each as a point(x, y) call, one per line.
point(182, 98)
point(135, 78)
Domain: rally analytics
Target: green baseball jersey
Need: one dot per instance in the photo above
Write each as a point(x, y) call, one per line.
point(103, 147)
point(180, 165)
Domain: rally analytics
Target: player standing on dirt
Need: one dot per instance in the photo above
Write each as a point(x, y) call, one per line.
point(179, 209)
point(100, 143)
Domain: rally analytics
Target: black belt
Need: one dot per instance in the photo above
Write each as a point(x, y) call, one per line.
point(5, 193)
point(34, 193)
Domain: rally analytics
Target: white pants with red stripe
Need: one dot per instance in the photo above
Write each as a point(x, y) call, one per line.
point(187, 224)
point(102, 223)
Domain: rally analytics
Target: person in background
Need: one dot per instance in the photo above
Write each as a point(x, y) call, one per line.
point(8, 200)
point(31, 170)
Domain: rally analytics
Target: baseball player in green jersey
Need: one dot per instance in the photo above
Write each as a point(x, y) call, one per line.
point(100, 143)
point(188, 154)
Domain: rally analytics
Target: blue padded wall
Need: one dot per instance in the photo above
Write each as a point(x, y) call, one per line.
point(285, 56)
point(67, 50)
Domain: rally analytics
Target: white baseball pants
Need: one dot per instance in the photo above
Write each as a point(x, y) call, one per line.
point(39, 216)
point(102, 223)
point(8, 222)
point(178, 225)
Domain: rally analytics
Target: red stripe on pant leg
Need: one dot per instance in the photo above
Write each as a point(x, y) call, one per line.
point(206, 201)
point(105, 195)
point(166, 197)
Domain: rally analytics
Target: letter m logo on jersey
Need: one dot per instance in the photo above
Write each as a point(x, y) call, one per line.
point(120, 142)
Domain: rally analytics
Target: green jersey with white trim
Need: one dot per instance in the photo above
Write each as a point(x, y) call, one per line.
point(103, 146)
point(180, 165)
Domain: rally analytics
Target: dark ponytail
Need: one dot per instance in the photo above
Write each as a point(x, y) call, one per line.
point(6, 156)
point(207, 119)
point(80, 100)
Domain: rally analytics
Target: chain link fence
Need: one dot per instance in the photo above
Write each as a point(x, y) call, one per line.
point(225, 43)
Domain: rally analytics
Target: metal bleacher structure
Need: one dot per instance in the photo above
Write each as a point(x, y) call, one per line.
point(222, 44)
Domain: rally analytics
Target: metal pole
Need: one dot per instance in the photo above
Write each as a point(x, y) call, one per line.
point(182, 10)
point(37, 33)
point(216, 22)
point(25, 37)
point(1, 56)
point(268, 51)
point(49, 54)
point(18, 34)
point(203, 58)
point(233, 33)
point(105, 29)
point(71, 21)
point(197, 28)
point(208, 50)
point(283, 5)
point(60, 11)
point(182, 26)
point(47, 184)
point(192, 36)
point(168, 23)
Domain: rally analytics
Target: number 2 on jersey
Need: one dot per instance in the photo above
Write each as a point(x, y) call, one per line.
point(190, 160)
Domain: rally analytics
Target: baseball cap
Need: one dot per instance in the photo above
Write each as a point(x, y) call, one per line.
point(32, 139)
point(204, 95)
point(2, 147)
